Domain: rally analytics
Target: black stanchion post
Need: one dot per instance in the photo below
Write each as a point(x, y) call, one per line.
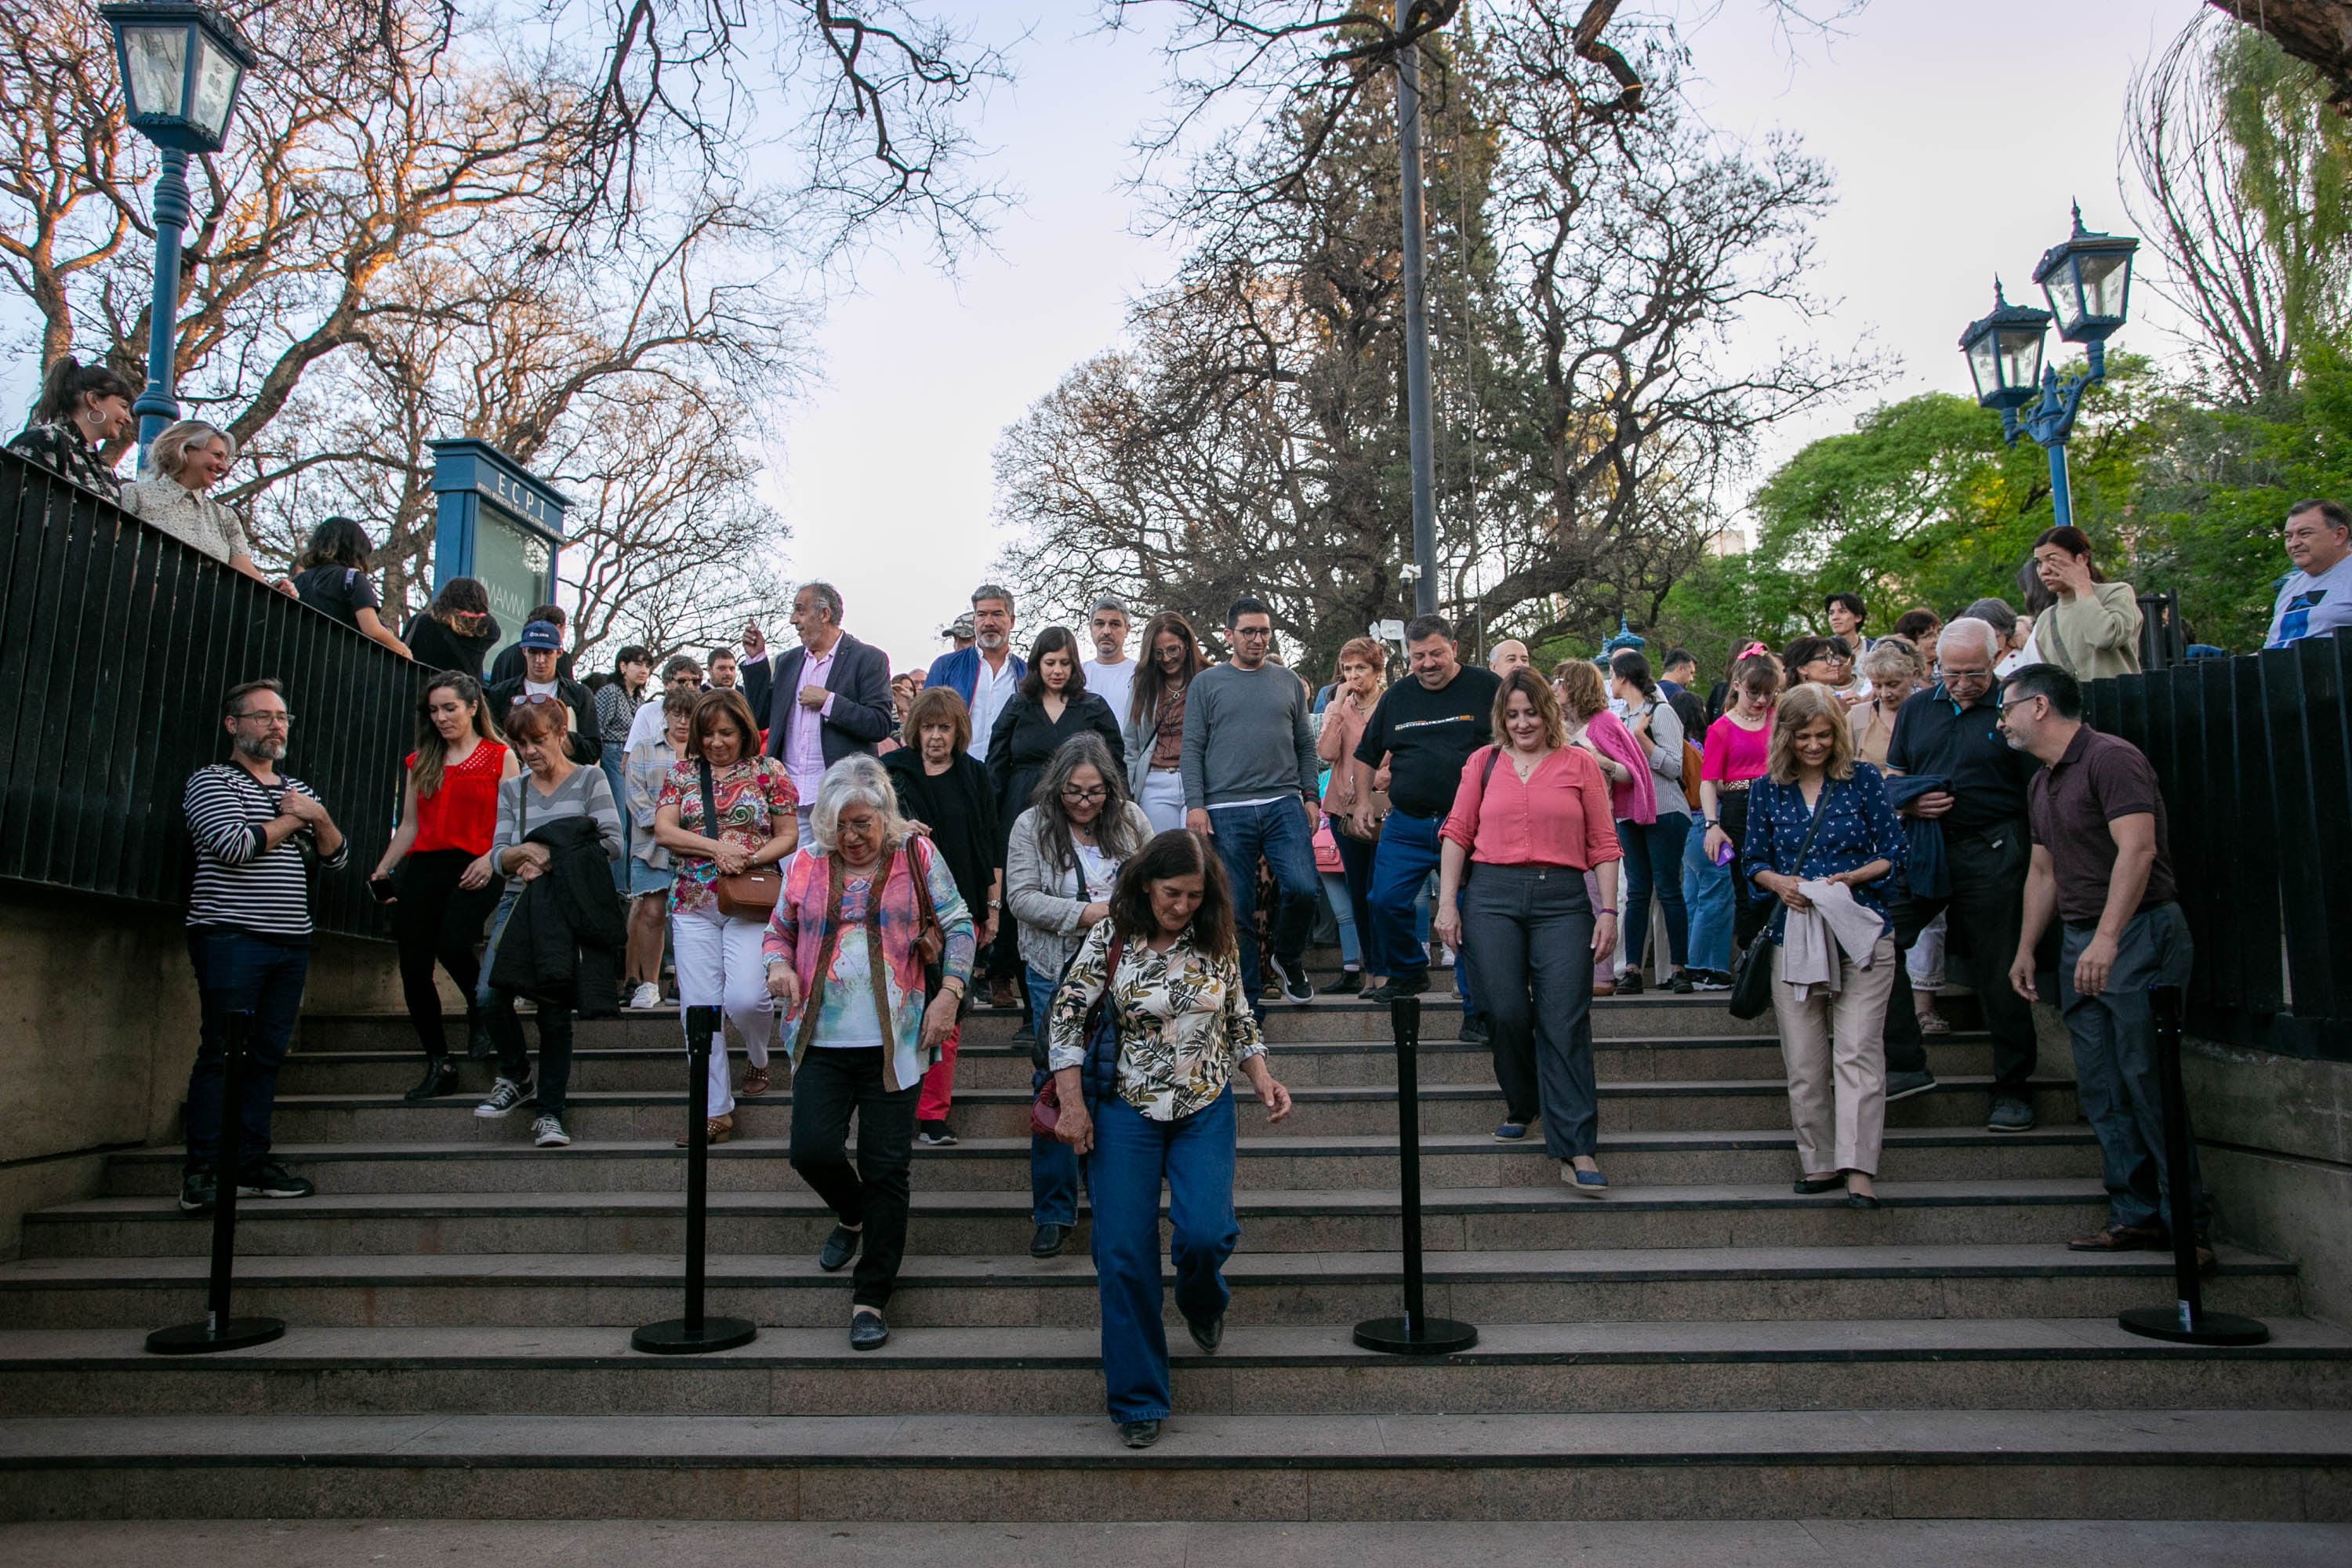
point(2186, 1322)
point(219, 1331)
point(1415, 1333)
point(695, 1334)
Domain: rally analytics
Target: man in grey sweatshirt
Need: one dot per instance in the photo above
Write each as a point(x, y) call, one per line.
point(1250, 776)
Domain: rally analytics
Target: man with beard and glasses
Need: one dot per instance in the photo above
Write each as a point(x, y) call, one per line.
point(257, 834)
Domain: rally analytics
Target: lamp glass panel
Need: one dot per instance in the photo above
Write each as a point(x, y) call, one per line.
point(216, 76)
point(2104, 277)
point(159, 66)
point(1984, 367)
point(2064, 290)
point(2020, 357)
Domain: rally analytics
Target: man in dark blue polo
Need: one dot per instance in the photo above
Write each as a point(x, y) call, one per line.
point(1953, 732)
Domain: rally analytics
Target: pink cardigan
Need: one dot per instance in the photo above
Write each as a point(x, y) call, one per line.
point(1636, 800)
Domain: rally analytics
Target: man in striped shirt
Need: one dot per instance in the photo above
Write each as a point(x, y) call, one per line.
point(256, 832)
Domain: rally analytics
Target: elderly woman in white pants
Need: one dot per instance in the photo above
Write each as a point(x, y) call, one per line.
point(724, 809)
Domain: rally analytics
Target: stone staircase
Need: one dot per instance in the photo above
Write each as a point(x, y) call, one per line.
point(1701, 1344)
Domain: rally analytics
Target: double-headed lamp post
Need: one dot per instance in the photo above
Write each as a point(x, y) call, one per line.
point(182, 68)
point(2087, 282)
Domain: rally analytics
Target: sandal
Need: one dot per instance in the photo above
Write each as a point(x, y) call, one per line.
point(1935, 1023)
point(714, 1131)
point(755, 1084)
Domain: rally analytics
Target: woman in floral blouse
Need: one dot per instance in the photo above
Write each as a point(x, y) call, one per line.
point(718, 962)
point(1164, 1109)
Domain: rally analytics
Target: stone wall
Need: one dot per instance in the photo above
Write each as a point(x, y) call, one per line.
point(2275, 1133)
point(98, 1026)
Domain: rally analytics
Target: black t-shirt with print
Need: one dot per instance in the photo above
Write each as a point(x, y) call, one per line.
point(339, 591)
point(1428, 735)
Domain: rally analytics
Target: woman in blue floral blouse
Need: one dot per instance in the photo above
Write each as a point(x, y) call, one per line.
point(1170, 959)
point(1835, 966)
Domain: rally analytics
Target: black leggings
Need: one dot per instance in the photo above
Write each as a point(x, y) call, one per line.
point(437, 921)
point(1751, 907)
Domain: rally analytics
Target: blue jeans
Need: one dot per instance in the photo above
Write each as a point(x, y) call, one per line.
point(2114, 1038)
point(1653, 853)
point(1052, 1165)
point(1278, 831)
point(1132, 1155)
point(1343, 910)
point(1706, 900)
point(236, 973)
point(1407, 855)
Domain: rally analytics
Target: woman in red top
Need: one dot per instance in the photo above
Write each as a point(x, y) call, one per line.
point(436, 873)
point(1531, 816)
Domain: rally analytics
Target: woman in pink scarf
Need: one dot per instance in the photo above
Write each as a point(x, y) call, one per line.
point(1633, 797)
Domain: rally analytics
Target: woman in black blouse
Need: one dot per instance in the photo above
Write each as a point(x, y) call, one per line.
point(457, 631)
point(1052, 705)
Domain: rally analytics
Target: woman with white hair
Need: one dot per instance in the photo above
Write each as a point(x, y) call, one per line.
point(869, 955)
point(189, 458)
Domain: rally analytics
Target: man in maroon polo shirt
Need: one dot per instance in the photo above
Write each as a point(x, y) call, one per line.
point(2102, 865)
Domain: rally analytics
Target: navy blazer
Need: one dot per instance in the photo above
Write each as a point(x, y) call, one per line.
point(860, 683)
point(959, 671)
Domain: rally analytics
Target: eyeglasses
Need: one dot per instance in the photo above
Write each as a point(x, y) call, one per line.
point(285, 719)
point(1071, 791)
point(1253, 631)
point(522, 698)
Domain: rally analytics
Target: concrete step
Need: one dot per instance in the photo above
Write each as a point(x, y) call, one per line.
point(1874, 1463)
point(1322, 1110)
point(1448, 1160)
point(948, 1222)
point(2004, 1280)
point(1300, 1065)
point(1930, 1365)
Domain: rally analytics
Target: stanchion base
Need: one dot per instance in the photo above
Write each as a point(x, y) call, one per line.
point(2212, 1327)
point(1433, 1336)
point(233, 1334)
point(674, 1337)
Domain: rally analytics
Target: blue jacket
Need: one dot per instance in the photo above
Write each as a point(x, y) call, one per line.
point(960, 670)
point(1925, 869)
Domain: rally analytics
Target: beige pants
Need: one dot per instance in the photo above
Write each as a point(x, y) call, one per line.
point(1836, 1051)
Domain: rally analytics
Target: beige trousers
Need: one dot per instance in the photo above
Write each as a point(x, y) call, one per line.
point(1836, 1051)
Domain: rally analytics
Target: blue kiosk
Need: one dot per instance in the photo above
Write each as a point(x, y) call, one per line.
point(496, 523)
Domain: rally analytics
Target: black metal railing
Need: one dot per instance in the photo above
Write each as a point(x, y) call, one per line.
point(116, 642)
point(2253, 755)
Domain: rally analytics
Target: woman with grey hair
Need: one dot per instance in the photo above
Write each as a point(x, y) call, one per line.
point(188, 459)
point(1061, 863)
point(847, 954)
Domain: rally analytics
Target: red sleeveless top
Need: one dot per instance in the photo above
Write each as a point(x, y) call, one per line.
point(464, 811)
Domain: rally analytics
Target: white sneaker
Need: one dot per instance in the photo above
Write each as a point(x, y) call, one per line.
point(549, 1133)
point(647, 997)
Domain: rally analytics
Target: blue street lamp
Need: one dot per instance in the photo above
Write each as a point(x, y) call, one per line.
point(182, 67)
point(2087, 282)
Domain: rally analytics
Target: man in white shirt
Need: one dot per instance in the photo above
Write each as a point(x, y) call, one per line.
point(1110, 674)
point(2316, 599)
point(986, 674)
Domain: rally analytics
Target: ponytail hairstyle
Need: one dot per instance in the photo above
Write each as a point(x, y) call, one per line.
point(67, 381)
point(1633, 666)
point(2074, 541)
point(424, 770)
point(463, 605)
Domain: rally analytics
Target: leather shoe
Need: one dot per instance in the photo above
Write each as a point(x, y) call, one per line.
point(1381, 995)
point(1138, 1434)
point(440, 1078)
point(867, 1332)
point(1808, 1186)
point(839, 1248)
point(1208, 1335)
point(1047, 1242)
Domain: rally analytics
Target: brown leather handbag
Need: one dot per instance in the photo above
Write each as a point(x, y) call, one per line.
point(742, 895)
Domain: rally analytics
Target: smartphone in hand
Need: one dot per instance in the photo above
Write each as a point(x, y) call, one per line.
point(380, 890)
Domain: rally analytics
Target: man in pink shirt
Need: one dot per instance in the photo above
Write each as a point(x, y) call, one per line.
point(823, 699)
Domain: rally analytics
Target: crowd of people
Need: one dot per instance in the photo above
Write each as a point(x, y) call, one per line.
point(1134, 849)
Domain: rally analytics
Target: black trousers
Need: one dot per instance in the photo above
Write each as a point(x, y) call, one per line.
point(434, 920)
point(1532, 926)
point(828, 1087)
point(1751, 907)
point(1988, 910)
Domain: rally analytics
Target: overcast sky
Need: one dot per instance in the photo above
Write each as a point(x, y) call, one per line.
point(1957, 134)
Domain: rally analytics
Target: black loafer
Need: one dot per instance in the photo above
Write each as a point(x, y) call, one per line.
point(440, 1078)
point(1138, 1434)
point(839, 1248)
point(1208, 1335)
point(867, 1332)
point(1047, 1242)
point(1860, 1201)
point(1808, 1186)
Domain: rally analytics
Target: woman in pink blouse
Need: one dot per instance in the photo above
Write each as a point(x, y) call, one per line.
point(1530, 818)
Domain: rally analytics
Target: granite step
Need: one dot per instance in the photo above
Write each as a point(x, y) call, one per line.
point(1301, 1065)
point(1744, 1283)
point(1867, 1463)
point(790, 1218)
point(1356, 1110)
point(1909, 1364)
point(1447, 1159)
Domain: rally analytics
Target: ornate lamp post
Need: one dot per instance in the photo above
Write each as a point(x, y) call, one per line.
point(182, 69)
point(2087, 280)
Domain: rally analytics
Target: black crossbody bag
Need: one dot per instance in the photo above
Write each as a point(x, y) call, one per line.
point(1751, 978)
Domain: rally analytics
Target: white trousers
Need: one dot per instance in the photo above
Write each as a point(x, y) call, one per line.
point(718, 965)
point(1163, 799)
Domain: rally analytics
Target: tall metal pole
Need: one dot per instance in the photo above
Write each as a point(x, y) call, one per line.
point(1416, 325)
point(156, 407)
point(2062, 503)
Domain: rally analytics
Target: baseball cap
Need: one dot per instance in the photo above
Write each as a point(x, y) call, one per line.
point(961, 627)
point(542, 634)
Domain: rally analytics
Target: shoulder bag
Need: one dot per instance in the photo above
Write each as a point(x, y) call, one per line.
point(742, 895)
point(1101, 1034)
point(1751, 977)
point(930, 937)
